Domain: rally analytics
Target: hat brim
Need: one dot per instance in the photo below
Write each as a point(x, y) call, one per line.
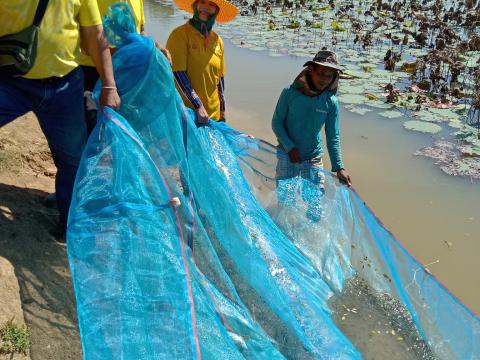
point(227, 11)
point(332, 66)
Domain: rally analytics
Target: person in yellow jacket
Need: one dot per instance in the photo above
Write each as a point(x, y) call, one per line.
point(198, 60)
point(53, 87)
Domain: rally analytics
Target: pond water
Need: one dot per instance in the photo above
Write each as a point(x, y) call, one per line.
point(436, 216)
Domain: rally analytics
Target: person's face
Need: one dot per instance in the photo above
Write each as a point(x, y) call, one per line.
point(206, 9)
point(322, 76)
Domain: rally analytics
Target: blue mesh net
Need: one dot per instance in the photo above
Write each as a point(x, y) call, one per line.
point(184, 245)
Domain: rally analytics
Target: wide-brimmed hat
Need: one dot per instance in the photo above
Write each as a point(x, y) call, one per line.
point(325, 58)
point(227, 11)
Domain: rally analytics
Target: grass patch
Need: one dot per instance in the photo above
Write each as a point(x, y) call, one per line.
point(14, 338)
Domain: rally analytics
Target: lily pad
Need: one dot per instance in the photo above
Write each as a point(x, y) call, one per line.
point(360, 110)
point(372, 97)
point(358, 89)
point(357, 73)
point(352, 99)
point(400, 75)
point(367, 67)
point(391, 114)
point(422, 126)
point(379, 104)
point(470, 150)
point(336, 26)
point(445, 113)
point(426, 115)
point(456, 124)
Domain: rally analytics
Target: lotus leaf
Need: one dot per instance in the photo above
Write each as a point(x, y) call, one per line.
point(422, 126)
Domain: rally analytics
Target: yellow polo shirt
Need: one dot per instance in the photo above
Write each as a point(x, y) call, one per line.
point(58, 50)
point(204, 67)
point(138, 13)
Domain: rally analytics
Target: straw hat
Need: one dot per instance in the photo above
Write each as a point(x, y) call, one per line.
point(227, 11)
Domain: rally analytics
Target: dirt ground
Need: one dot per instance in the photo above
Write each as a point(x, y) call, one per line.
point(27, 243)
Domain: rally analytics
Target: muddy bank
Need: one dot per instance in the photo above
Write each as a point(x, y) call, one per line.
point(27, 242)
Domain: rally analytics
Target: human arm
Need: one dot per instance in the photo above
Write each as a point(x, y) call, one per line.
point(221, 96)
point(221, 82)
point(332, 132)
point(164, 51)
point(187, 90)
point(96, 47)
point(278, 126)
point(344, 177)
point(93, 42)
point(177, 46)
point(142, 19)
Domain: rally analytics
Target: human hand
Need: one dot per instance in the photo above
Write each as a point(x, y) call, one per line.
point(164, 52)
point(109, 97)
point(202, 115)
point(344, 177)
point(294, 156)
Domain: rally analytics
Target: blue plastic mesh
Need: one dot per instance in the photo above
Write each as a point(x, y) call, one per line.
point(180, 249)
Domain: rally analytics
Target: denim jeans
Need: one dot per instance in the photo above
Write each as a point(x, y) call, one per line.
point(58, 105)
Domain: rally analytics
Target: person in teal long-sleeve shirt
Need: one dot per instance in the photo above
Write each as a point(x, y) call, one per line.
point(303, 109)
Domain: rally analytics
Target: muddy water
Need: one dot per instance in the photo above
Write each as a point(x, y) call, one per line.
point(437, 217)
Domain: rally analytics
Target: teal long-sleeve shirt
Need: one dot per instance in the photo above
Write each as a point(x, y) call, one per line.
point(299, 119)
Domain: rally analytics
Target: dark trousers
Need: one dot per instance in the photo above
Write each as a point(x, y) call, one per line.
point(58, 105)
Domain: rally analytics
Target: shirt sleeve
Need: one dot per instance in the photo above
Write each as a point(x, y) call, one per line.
point(177, 45)
point(187, 90)
point(221, 95)
point(332, 131)
point(278, 122)
point(89, 15)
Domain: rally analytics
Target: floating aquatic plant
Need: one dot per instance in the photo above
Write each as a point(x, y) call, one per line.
point(391, 114)
point(336, 26)
point(422, 126)
point(352, 99)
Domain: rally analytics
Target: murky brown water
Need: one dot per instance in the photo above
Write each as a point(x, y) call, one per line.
point(437, 217)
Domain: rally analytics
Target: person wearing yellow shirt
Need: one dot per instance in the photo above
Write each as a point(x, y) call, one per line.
point(198, 57)
point(91, 74)
point(53, 87)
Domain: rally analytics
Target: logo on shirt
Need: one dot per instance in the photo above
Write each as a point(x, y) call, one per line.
point(320, 111)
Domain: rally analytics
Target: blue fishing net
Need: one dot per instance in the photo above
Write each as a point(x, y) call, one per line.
point(184, 245)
